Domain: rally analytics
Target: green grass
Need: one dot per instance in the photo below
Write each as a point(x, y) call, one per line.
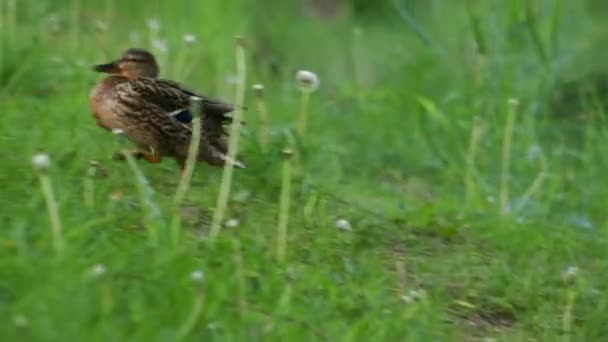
point(405, 140)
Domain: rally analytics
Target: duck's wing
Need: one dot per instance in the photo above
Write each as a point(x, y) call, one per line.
point(167, 102)
point(172, 96)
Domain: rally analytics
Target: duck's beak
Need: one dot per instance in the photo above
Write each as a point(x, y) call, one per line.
point(109, 68)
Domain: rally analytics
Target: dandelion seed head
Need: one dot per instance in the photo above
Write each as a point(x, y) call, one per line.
point(160, 45)
point(20, 321)
point(41, 162)
point(258, 89)
point(231, 79)
point(534, 152)
point(513, 102)
point(100, 25)
point(287, 153)
point(231, 223)
point(407, 299)
point(98, 270)
point(570, 273)
point(307, 80)
point(413, 295)
point(154, 24)
point(343, 224)
point(56, 59)
point(189, 39)
point(197, 276)
point(134, 38)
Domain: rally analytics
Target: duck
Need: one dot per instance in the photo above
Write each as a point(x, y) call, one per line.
point(154, 113)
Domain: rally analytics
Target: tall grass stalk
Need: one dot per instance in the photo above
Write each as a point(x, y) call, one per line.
point(507, 141)
point(75, 24)
point(535, 33)
point(284, 204)
point(357, 63)
point(186, 176)
point(556, 20)
point(240, 276)
point(476, 27)
point(569, 277)
point(233, 141)
point(11, 21)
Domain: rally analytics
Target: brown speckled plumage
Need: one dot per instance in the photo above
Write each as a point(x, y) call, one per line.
point(144, 107)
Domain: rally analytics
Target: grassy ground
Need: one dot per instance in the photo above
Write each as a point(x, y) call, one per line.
point(463, 144)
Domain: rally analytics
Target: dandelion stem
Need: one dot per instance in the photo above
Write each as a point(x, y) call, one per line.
point(89, 186)
point(567, 318)
point(284, 210)
point(186, 176)
point(469, 179)
point(51, 205)
point(263, 124)
point(536, 183)
point(304, 104)
point(189, 324)
point(238, 260)
point(152, 215)
point(506, 157)
point(233, 142)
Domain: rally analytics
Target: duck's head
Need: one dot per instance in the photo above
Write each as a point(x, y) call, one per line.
point(132, 64)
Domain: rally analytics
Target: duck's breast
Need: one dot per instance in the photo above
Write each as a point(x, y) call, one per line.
point(100, 102)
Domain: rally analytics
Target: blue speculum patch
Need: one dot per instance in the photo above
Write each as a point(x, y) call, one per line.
point(183, 116)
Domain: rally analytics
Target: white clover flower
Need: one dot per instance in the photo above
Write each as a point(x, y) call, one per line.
point(307, 80)
point(343, 224)
point(41, 162)
point(197, 276)
point(98, 270)
point(189, 39)
point(160, 45)
point(513, 102)
point(154, 24)
point(231, 223)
